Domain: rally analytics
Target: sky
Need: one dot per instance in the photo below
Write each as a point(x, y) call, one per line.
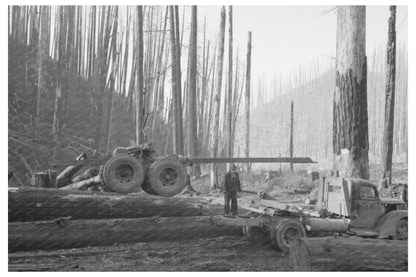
point(284, 37)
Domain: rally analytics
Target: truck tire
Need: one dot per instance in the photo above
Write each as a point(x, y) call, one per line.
point(123, 174)
point(167, 177)
point(285, 232)
point(401, 230)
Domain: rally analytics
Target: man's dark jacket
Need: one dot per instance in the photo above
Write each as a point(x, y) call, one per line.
point(231, 185)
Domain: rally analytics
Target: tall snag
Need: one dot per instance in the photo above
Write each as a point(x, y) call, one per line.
point(230, 84)
point(247, 101)
point(192, 126)
point(390, 95)
point(139, 78)
point(350, 120)
point(215, 133)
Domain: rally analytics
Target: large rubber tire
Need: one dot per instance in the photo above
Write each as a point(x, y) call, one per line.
point(123, 174)
point(167, 177)
point(285, 232)
point(401, 230)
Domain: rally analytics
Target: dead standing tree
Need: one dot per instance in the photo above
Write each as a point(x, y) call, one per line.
point(139, 78)
point(230, 84)
point(350, 120)
point(215, 134)
point(390, 95)
point(247, 101)
point(192, 91)
point(176, 92)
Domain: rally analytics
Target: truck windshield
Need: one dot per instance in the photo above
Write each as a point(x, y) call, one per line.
point(367, 192)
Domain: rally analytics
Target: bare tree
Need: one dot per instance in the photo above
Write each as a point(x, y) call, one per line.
point(139, 78)
point(215, 133)
point(230, 83)
point(390, 95)
point(247, 100)
point(192, 91)
point(350, 120)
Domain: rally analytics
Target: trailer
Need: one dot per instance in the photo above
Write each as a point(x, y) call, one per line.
point(130, 169)
point(345, 205)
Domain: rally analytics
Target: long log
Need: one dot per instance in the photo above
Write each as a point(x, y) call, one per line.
point(83, 184)
point(32, 204)
point(64, 178)
point(87, 174)
point(63, 233)
point(348, 254)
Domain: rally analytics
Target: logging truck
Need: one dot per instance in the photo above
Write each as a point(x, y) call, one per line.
point(344, 205)
point(130, 169)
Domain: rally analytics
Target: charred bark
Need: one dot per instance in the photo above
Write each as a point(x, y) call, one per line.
point(390, 96)
point(350, 119)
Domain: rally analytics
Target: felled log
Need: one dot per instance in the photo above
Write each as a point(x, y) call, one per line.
point(87, 174)
point(348, 254)
point(63, 233)
point(83, 184)
point(32, 204)
point(64, 178)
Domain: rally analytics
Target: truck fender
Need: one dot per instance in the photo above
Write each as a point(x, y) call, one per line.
point(387, 224)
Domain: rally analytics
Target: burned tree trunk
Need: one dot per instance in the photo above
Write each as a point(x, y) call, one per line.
point(247, 100)
point(350, 119)
point(291, 136)
point(390, 95)
point(175, 85)
point(215, 133)
point(192, 91)
point(230, 84)
point(139, 78)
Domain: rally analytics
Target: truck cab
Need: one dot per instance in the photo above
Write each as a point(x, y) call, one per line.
point(358, 200)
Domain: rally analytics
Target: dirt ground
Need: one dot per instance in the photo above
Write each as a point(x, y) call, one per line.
point(213, 254)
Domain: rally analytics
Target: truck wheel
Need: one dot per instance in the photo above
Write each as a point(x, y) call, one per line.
point(401, 230)
point(167, 177)
point(123, 174)
point(285, 232)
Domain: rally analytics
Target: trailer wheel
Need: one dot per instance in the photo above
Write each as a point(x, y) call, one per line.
point(167, 177)
point(401, 230)
point(285, 232)
point(123, 174)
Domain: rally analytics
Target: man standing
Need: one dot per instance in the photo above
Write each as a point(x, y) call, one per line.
point(231, 187)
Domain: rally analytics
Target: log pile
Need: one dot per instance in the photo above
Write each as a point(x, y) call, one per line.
point(42, 218)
